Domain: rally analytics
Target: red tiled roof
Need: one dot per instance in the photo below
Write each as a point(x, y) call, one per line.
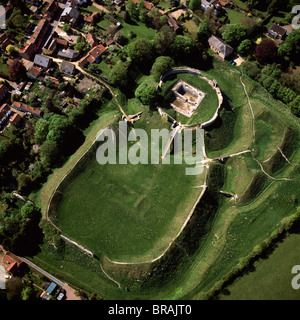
point(27, 108)
point(147, 4)
point(15, 119)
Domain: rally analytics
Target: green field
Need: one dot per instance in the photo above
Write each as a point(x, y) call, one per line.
point(126, 212)
point(131, 213)
point(272, 276)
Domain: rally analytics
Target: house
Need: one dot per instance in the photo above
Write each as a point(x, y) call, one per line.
point(4, 40)
point(220, 47)
point(5, 114)
point(92, 56)
point(34, 72)
point(69, 54)
point(50, 11)
point(67, 67)
point(174, 24)
point(38, 35)
point(95, 16)
point(148, 5)
point(92, 41)
point(218, 5)
point(28, 52)
point(70, 15)
point(14, 263)
point(15, 120)
point(42, 61)
point(20, 106)
point(51, 288)
point(3, 91)
point(277, 32)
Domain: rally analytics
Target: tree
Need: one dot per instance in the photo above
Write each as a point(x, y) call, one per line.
point(25, 183)
point(16, 70)
point(10, 49)
point(161, 65)
point(164, 40)
point(195, 4)
point(141, 52)
point(66, 28)
point(266, 51)
point(182, 47)
point(244, 47)
point(251, 69)
point(132, 10)
point(119, 74)
point(295, 106)
point(234, 34)
point(41, 131)
point(29, 211)
point(147, 91)
point(49, 154)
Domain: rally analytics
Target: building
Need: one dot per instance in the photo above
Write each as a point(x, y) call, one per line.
point(69, 54)
point(277, 32)
point(51, 289)
point(4, 40)
point(5, 114)
point(95, 16)
point(92, 41)
point(51, 10)
point(92, 56)
point(148, 5)
point(70, 15)
point(34, 72)
point(42, 61)
point(15, 120)
point(174, 24)
point(14, 263)
point(39, 33)
point(220, 47)
point(20, 106)
point(28, 52)
point(67, 67)
point(3, 91)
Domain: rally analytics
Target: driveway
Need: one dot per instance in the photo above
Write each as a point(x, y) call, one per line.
point(2, 277)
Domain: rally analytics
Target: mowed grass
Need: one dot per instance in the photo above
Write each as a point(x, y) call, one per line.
point(272, 277)
point(126, 212)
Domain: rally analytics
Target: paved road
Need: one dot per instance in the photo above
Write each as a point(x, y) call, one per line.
point(48, 275)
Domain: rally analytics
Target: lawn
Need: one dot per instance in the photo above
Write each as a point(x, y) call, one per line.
point(131, 212)
point(126, 212)
point(272, 277)
point(235, 16)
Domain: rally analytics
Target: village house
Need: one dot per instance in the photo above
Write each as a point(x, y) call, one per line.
point(70, 15)
point(51, 10)
point(69, 54)
point(94, 17)
point(5, 114)
point(42, 61)
point(67, 67)
point(220, 47)
point(92, 41)
point(148, 5)
point(3, 91)
point(277, 32)
point(20, 106)
point(92, 56)
point(14, 263)
point(4, 40)
point(15, 120)
point(34, 72)
point(36, 40)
